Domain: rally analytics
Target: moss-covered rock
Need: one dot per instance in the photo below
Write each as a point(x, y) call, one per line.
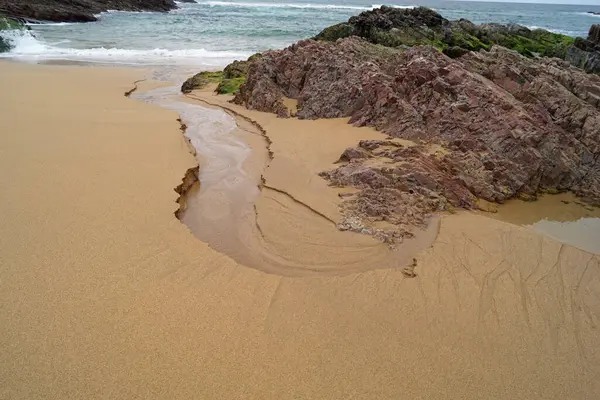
point(236, 69)
point(229, 80)
point(5, 25)
point(4, 45)
point(336, 32)
point(394, 27)
point(230, 86)
point(201, 80)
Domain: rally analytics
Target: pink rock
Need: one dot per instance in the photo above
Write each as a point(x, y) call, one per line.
point(509, 125)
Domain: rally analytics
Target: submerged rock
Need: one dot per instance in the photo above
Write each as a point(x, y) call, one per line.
point(395, 27)
point(490, 125)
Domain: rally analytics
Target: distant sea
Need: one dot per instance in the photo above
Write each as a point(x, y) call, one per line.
point(213, 33)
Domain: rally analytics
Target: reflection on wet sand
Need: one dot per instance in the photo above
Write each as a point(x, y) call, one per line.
point(563, 217)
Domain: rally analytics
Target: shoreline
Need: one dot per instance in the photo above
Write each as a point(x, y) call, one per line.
point(105, 291)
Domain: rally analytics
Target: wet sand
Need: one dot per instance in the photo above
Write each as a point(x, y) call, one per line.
point(563, 217)
point(261, 201)
point(104, 294)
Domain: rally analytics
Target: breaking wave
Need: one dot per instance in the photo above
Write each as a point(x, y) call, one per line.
point(292, 5)
point(25, 46)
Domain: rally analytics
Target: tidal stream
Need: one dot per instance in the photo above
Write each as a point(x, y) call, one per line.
point(286, 237)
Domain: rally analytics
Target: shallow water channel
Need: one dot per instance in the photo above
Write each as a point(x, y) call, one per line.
point(258, 226)
point(285, 237)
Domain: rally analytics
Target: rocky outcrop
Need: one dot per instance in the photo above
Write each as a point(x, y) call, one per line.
point(594, 34)
point(585, 53)
point(228, 81)
point(201, 80)
point(8, 24)
point(76, 10)
point(395, 27)
point(489, 125)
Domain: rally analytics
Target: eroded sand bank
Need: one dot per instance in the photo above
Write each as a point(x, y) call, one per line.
point(104, 294)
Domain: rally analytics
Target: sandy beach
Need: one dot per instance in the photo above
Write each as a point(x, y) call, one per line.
point(105, 294)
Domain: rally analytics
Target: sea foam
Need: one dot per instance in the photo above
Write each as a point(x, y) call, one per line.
point(293, 5)
point(29, 48)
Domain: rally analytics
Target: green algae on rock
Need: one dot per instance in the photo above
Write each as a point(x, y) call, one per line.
point(5, 25)
point(394, 27)
point(229, 80)
point(230, 86)
point(201, 80)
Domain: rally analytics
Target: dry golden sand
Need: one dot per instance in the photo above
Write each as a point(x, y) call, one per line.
point(104, 294)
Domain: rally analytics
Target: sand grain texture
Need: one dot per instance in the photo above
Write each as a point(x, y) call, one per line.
point(104, 294)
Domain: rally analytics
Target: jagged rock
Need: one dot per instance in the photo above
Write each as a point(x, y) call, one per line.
point(77, 10)
point(353, 154)
point(585, 53)
point(490, 125)
point(395, 27)
point(594, 34)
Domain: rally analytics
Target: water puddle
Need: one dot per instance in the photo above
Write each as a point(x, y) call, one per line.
point(562, 217)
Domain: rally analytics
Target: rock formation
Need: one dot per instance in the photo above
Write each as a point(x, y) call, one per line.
point(395, 27)
point(201, 80)
point(229, 81)
point(8, 24)
point(76, 10)
point(585, 53)
point(489, 125)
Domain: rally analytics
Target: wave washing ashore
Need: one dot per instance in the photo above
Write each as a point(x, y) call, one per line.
point(214, 33)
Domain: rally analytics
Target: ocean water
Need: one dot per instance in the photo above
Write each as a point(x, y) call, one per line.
point(213, 33)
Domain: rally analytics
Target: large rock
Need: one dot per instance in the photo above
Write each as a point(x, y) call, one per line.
point(4, 45)
point(585, 53)
point(5, 25)
point(490, 125)
point(77, 10)
point(594, 34)
point(201, 80)
point(395, 27)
